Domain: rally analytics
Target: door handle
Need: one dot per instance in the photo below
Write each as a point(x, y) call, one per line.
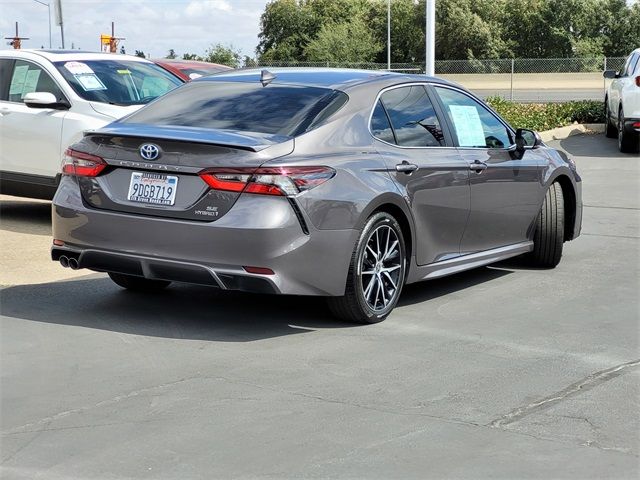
point(406, 167)
point(477, 166)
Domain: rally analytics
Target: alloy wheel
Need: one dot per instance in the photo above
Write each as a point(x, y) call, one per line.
point(381, 268)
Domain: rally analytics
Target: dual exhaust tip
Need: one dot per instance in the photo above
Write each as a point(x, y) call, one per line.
point(69, 262)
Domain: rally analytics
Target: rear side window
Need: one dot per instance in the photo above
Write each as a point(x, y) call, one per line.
point(473, 124)
point(412, 116)
point(243, 106)
point(28, 77)
point(380, 126)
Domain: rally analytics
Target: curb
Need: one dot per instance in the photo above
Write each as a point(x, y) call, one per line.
point(571, 130)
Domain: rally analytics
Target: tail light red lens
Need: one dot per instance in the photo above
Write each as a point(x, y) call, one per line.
point(283, 181)
point(638, 80)
point(82, 164)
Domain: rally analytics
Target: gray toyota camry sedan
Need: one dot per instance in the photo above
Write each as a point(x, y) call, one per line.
point(342, 183)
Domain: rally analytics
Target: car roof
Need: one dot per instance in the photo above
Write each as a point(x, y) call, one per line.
point(66, 55)
point(179, 63)
point(334, 78)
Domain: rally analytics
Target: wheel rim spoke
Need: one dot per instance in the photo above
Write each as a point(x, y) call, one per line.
point(381, 265)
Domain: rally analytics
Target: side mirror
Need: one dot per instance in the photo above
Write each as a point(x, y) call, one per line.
point(526, 138)
point(610, 74)
point(43, 100)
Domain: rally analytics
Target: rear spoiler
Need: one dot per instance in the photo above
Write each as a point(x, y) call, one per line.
point(250, 141)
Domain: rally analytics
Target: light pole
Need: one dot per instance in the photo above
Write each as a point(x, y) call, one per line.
point(49, 11)
point(388, 34)
point(58, 11)
point(430, 37)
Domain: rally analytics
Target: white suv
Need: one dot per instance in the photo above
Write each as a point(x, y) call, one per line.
point(622, 104)
point(48, 98)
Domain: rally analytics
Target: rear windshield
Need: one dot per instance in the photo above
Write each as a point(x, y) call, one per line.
point(242, 106)
point(119, 82)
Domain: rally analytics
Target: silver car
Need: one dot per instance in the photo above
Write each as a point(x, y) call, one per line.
point(341, 183)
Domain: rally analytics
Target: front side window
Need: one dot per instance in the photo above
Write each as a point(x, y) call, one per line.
point(473, 124)
point(118, 82)
point(412, 116)
point(6, 68)
point(28, 77)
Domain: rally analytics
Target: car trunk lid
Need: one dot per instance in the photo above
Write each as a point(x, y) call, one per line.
point(183, 152)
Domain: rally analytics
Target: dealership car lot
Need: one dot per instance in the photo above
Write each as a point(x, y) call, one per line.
point(499, 372)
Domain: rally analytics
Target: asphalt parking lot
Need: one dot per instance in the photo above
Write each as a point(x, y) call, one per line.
point(501, 372)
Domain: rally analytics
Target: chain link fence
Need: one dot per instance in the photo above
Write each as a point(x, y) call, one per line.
point(520, 79)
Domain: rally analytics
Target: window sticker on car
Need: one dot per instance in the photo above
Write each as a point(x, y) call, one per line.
point(78, 68)
point(468, 125)
point(124, 72)
point(154, 87)
point(30, 82)
point(18, 79)
point(90, 82)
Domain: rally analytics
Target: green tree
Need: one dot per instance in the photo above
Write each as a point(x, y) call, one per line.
point(343, 42)
point(191, 56)
point(140, 53)
point(224, 55)
point(171, 54)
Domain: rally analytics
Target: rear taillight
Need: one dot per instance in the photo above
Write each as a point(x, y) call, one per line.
point(638, 80)
point(82, 164)
point(283, 181)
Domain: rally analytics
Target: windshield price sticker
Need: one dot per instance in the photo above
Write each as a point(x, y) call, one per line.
point(78, 68)
point(468, 126)
point(90, 82)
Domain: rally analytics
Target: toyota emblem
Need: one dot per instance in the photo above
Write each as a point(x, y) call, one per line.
point(149, 151)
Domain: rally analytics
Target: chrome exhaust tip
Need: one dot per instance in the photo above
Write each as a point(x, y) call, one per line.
point(64, 261)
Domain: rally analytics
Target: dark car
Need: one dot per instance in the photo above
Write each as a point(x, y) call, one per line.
point(341, 183)
point(187, 70)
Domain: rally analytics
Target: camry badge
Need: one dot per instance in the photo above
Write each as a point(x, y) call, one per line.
point(149, 151)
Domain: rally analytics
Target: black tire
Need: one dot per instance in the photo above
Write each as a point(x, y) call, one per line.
point(354, 305)
point(610, 129)
point(548, 236)
point(138, 284)
point(628, 142)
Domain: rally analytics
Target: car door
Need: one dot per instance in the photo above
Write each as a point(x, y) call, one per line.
point(30, 137)
point(429, 172)
point(506, 190)
point(618, 84)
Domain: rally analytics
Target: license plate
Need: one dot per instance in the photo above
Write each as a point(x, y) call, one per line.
point(153, 188)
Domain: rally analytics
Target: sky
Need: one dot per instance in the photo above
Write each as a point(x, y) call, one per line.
point(153, 26)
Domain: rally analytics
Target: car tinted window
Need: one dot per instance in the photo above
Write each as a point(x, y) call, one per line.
point(635, 61)
point(627, 69)
point(28, 77)
point(380, 126)
point(413, 118)
point(242, 106)
point(6, 68)
point(474, 125)
point(120, 82)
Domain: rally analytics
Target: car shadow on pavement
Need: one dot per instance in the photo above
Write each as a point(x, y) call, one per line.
point(194, 312)
point(25, 216)
point(592, 146)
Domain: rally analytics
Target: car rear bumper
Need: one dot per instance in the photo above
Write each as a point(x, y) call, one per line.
point(257, 232)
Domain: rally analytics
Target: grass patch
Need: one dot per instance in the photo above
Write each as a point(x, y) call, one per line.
point(545, 116)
